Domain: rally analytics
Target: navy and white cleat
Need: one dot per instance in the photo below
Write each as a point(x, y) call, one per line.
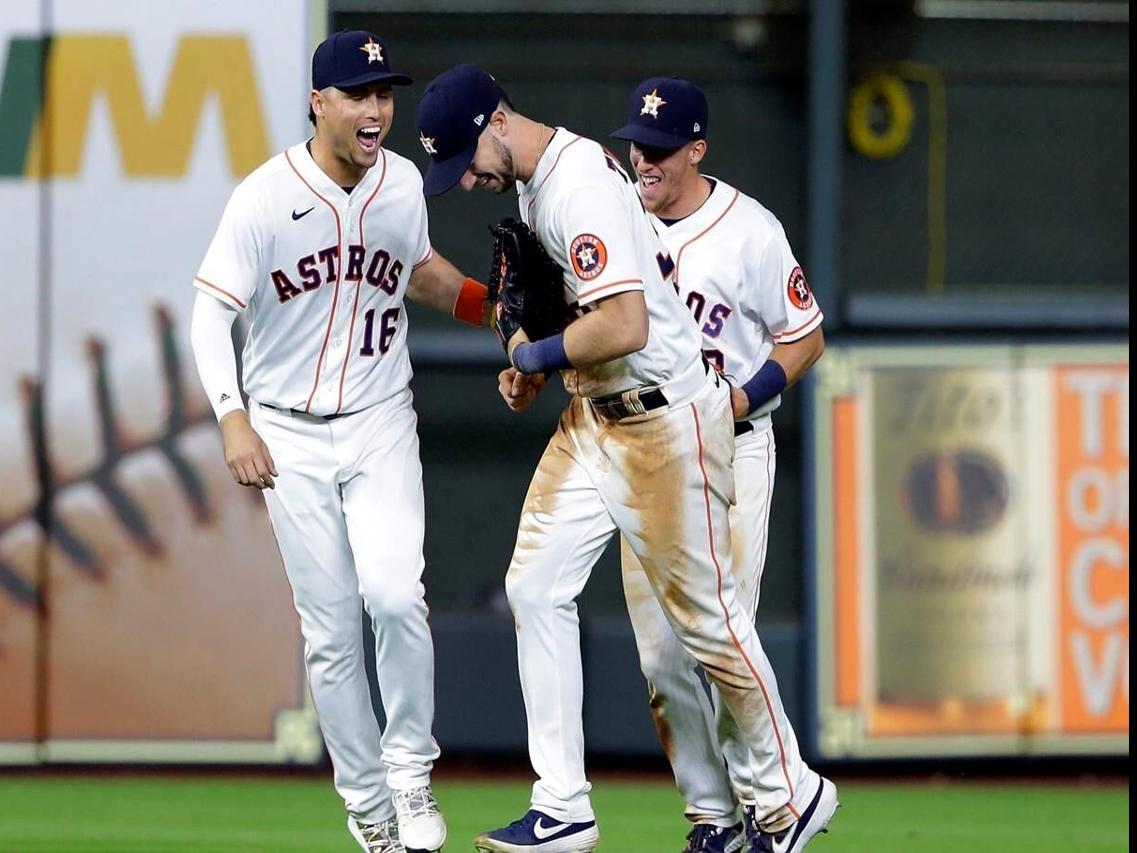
point(814, 818)
point(708, 838)
point(536, 832)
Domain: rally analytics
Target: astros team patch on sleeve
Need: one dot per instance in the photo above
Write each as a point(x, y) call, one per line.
point(798, 290)
point(588, 256)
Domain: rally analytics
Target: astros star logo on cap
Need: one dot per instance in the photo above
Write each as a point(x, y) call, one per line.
point(374, 51)
point(427, 143)
point(652, 103)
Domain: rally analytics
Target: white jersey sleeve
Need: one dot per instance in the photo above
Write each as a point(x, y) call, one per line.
point(234, 263)
point(603, 259)
point(211, 338)
point(784, 301)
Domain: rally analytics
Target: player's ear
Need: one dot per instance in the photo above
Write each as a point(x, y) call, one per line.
point(697, 151)
point(499, 121)
point(316, 102)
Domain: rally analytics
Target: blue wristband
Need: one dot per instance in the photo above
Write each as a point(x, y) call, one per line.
point(541, 356)
point(765, 385)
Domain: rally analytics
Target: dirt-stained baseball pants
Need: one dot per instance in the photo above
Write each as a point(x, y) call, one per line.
point(772, 777)
point(665, 481)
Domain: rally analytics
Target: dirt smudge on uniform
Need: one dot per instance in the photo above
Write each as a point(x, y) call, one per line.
point(659, 715)
point(656, 461)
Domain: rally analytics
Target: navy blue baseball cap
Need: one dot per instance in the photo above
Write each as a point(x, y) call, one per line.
point(352, 58)
point(665, 112)
point(451, 116)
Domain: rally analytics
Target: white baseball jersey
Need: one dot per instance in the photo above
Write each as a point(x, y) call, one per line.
point(735, 271)
point(322, 274)
point(579, 202)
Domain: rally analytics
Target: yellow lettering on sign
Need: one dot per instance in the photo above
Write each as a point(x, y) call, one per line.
point(80, 68)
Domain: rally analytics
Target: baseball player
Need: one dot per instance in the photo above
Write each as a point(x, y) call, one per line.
point(761, 327)
point(317, 249)
point(645, 446)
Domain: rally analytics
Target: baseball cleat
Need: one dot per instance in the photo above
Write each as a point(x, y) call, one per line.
point(794, 837)
point(421, 828)
point(708, 838)
point(536, 832)
point(382, 837)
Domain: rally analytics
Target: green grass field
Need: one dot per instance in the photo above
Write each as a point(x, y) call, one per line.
point(156, 814)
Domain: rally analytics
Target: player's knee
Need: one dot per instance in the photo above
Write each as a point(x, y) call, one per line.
point(526, 591)
point(394, 604)
point(667, 667)
point(653, 666)
point(334, 649)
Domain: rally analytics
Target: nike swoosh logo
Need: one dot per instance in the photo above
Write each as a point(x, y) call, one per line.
point(542, 832)
point(296, 215)
point(803, 821)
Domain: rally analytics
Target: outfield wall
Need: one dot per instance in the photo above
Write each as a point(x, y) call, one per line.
point(144, 615)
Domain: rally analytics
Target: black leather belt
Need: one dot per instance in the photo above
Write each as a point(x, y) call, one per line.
point(614, 407)
point(299, 412)
point(742, 427)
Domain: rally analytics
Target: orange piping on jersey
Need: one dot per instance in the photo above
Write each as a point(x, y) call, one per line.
point(718, 219)
point(580, 296)
point(339, 274)
point(789, 332)
point(219, 289)
point(726, 613)
point(545, 179)
point(355, 304)
point(429, 254)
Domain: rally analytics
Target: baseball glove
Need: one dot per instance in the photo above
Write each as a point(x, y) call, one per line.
point(525, 284)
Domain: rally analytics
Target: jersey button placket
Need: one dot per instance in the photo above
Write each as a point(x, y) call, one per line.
point(328, 392)
point(349, 291)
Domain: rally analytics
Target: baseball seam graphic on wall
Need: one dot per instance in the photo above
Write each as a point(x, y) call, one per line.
point(973, 550)
point(121, 136)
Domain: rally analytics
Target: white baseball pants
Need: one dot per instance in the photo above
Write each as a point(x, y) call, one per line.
point(665, 481)
point(348, 511)
point(695, 736)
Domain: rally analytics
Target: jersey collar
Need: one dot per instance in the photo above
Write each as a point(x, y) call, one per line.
point(310, 171)
point(710, 210)
point(548, 159)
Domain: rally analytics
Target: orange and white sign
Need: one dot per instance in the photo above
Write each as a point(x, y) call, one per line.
point(1093, 547)
point(973, 550)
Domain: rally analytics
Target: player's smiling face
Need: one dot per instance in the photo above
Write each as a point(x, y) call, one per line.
point(492, 168)
point(663, 174)
point(357, 121)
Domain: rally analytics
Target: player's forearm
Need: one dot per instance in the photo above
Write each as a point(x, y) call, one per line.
point(440, 285)
point(618, 327)
point(600, 336)
point(798, 357)
point(210, 336)
point(785, 366)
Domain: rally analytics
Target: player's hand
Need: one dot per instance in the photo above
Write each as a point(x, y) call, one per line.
point(739, 402)
point(246, 454)
point(519, 390)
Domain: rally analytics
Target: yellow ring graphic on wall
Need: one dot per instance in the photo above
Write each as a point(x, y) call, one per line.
point(889, 141)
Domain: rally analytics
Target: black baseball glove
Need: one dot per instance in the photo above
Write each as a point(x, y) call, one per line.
point(525, 284)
